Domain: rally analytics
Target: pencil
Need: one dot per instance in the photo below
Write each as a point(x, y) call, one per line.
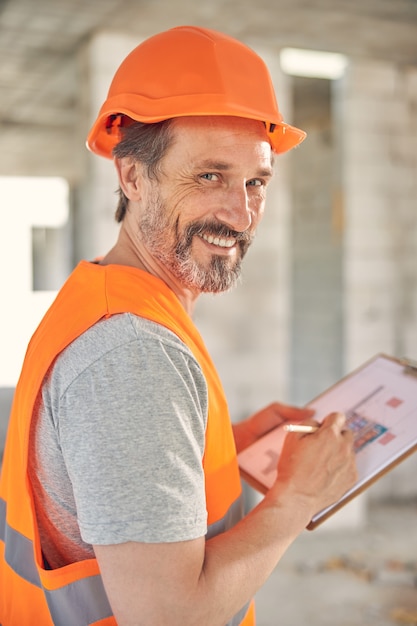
point(300, 428)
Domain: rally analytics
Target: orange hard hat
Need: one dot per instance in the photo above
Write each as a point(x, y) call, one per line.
point(190, 71)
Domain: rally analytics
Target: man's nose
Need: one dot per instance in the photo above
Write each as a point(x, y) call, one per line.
point(235, 210)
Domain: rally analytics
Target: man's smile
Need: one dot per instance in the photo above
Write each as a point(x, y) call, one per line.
point(222, 242)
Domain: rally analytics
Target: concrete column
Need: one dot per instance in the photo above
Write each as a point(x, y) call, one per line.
point(95, 195)
point(317, 250)
point(370, 120)
point(403, 214)
point(380, 164)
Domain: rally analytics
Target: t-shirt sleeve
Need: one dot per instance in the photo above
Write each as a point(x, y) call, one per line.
point(132, 429)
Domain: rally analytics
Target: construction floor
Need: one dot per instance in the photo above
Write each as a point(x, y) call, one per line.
point(342, 577)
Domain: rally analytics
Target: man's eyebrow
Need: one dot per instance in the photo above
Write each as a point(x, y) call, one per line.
point(214, 165)
point(222, 166)
point(266, 173)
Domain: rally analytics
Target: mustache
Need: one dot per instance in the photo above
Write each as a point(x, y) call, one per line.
point(218, 230)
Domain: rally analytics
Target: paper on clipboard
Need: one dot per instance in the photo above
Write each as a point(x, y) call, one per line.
point(380, 403)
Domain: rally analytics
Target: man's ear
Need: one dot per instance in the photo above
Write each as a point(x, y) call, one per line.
point(129, 173)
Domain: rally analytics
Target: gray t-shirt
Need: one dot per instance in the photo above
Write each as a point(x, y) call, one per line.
point(117, 441)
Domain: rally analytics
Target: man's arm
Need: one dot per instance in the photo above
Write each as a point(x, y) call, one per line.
point(207, 582)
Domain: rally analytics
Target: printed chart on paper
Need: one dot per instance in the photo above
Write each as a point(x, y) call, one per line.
point(380, 403)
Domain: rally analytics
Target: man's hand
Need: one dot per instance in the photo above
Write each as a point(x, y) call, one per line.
point(317, 469)
point(249, 430)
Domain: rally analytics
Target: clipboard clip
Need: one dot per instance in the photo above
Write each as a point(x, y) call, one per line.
point(410, 366)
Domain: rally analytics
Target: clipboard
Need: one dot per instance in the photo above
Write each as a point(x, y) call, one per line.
point(380, 402)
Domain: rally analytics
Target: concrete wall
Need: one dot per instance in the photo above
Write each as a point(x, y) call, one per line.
point(380, 156)
point(378, 121)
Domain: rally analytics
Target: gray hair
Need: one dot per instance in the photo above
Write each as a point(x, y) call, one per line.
point(145, 143)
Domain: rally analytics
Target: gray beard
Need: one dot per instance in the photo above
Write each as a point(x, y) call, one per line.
point(221, 275)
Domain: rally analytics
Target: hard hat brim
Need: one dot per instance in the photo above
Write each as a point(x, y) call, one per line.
point(282, 136)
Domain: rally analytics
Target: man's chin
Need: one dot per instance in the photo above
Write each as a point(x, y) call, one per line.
point(220, 277)
point(219, 289)
point(219, 274)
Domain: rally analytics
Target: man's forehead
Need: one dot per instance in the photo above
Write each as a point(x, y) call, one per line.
point(209, 135)
point(216, 124)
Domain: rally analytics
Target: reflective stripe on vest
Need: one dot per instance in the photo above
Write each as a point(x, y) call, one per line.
point(79, 603)
point(83, 601)
point(232, 517)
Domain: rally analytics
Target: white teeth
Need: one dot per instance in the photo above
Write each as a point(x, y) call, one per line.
point(222, 243)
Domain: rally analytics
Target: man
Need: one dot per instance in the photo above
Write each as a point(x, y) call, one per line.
point(121, 497)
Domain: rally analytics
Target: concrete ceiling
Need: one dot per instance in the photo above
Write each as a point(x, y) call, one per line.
point(39, 41)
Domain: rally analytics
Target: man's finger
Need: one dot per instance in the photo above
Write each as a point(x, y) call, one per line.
point(336, 420)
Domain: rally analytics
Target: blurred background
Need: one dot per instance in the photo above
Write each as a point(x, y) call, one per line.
point(332, 277)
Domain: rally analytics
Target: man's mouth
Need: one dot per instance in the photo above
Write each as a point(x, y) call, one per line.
point(222, 242)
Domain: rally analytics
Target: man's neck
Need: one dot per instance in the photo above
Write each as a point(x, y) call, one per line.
point(130, 256)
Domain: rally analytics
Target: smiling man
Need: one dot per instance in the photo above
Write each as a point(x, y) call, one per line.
point(120, 497)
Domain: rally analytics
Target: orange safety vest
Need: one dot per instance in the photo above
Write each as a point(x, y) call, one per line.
point(74, 594)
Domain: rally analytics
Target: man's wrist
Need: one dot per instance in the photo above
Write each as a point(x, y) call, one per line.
point(290, 504)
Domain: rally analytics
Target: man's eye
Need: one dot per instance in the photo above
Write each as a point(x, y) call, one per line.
point(255, 182)
point(209, 176)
